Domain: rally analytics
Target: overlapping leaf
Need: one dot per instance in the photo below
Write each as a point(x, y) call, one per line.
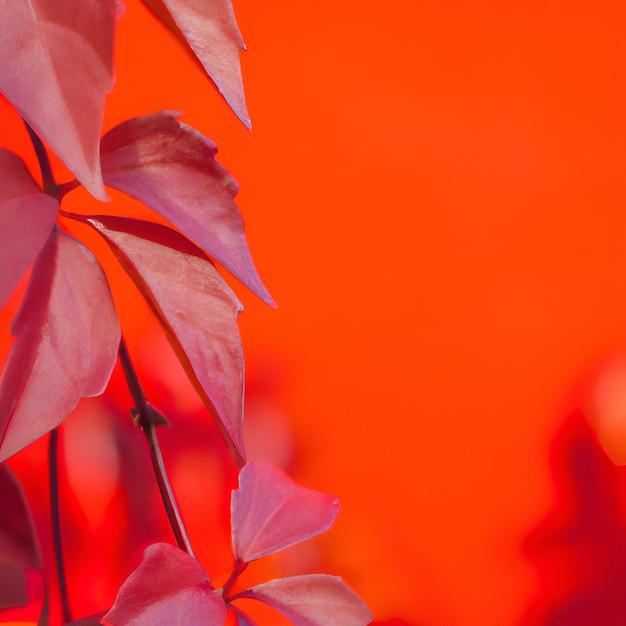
point(56, 67)
point(27, 216)
point(270, 511)
point(313, 600)
point(196, 308)
point(67, 335)
point(169, 587)
point(208, 31)
point(172, 169)
point(19, 550)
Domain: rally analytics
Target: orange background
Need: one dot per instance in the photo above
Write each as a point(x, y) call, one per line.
point(434, 194)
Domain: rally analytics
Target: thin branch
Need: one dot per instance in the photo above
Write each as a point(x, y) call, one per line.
point(148, 418)
point(237, 570)
point(167, 494)
point(53, 462)
point(134, 386)
point(49, 186)
point(67, 187)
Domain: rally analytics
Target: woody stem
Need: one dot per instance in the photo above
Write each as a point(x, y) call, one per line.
point(148, 418)
point(53, 464)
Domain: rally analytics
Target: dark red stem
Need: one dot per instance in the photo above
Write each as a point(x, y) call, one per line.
point(67, 187)
point(53, 462)
point(148, 418)
point(238, 568)
point(49, 186)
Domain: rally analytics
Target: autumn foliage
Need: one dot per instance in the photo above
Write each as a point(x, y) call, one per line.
point(56, 68)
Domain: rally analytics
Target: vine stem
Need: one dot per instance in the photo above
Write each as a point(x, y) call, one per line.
point(148, 418)
point(53, 463)
point(49, 186)
point(237, 570)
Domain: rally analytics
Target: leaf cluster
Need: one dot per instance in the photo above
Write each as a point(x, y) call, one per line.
point(56, 68)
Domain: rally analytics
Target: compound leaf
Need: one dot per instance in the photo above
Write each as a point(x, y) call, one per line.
point(172, 169)
point(208, 31)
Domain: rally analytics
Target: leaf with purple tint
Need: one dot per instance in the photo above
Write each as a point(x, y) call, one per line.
point(313, 600)
point(270, 511)
point(209, 33)
point(67, 336)
point(169, 587)
point(172, 169)
point(27, 216)
point(196, 308)
point(19, 550)
point(56, 67)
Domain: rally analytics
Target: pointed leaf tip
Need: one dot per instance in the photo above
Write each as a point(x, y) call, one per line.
point(270, 511)
point(171, 168)
point(56, 67)
point(196, 308)
point(313, 600)
point(209, 33)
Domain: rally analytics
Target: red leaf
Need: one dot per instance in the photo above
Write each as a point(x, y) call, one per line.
point(19, 549)
point(56, 67)
point(169, 587)
point(270, 511)
point(172, 169)
point(314, 600)
point(67, 335)
point(196, 308)
point(208, 31)
point(27, 216)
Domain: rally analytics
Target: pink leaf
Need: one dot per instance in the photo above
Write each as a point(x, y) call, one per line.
point(208, 31)
point(314, 600)
point(19, 549)
point(67, 335)
point(270, 511)
point(27, 216)
point(169, 587)
point(172, 169)
point(196, 308)
point(56, 67)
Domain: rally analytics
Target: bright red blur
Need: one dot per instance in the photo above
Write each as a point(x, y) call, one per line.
point(434, 193)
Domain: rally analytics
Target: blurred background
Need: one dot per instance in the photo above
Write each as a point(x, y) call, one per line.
point(434, 194)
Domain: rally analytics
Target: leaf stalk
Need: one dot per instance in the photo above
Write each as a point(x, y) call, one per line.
point(49, 186)
point(238, 568)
